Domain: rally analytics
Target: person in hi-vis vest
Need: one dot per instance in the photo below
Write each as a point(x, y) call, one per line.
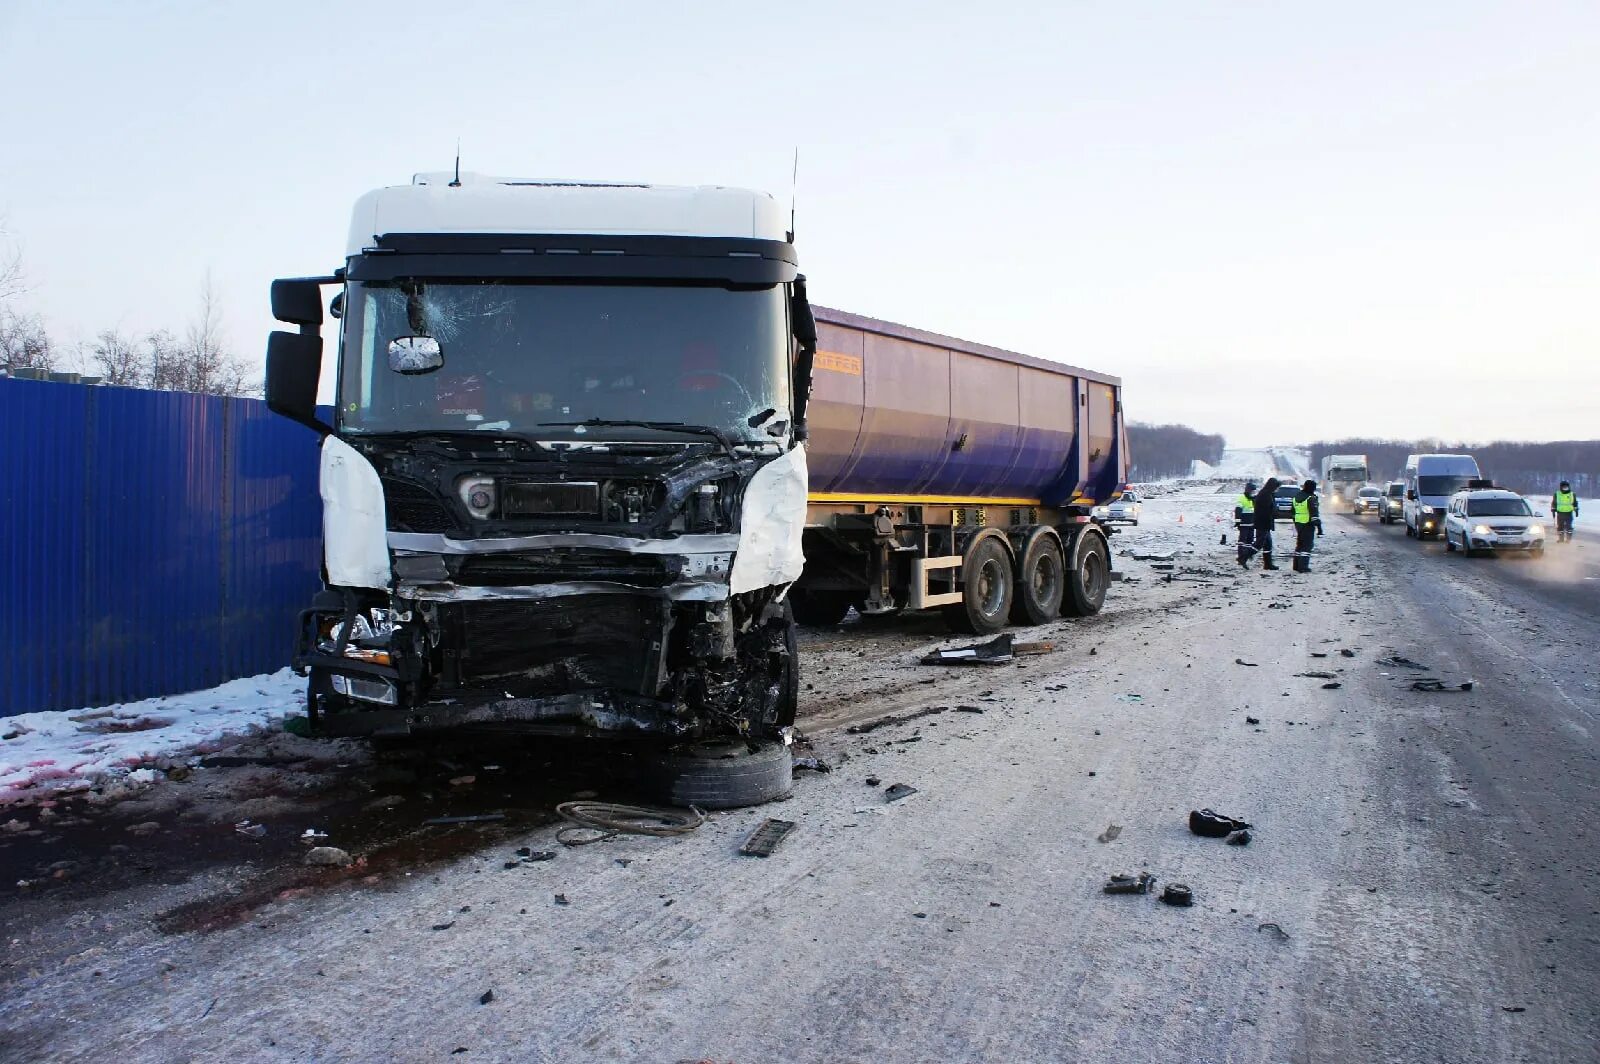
point(1307, 525)
point(1564, 504)
point(1244, 521)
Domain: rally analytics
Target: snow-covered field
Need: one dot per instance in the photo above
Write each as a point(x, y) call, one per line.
point(42, 753)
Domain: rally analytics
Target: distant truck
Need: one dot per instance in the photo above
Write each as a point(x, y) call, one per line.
point(592, 450)
point(1343, 475)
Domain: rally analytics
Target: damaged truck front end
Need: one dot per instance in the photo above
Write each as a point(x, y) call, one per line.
point(564, 487)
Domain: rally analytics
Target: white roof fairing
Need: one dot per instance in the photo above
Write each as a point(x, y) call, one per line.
point(540, 206)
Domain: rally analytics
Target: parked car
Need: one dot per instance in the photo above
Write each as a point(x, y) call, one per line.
point(1284, 498)
point(1394, 502)
point(1124, 508)
point(1494, 520)
point(1369, 500)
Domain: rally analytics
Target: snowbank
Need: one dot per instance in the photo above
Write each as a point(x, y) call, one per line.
point(69, 749)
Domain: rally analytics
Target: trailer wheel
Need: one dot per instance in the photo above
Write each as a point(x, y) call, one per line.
point(1041, 579)
point(1087, 583)
point(819, 609)
point(719, 775)
point(986, 590)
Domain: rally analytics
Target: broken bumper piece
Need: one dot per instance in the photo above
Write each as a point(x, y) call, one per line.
point(576, 713)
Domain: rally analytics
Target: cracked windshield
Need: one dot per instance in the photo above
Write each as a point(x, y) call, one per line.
point(521, 356)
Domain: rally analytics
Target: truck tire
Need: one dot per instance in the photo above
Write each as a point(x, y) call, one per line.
point(726, 774)
point(819, 609)
point(986, 590)
point(1041, 579)
point(789, 685)
point(1089, 578)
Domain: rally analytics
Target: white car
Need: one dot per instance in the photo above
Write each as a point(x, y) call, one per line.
point(1369, 500)
point(1492, 519)
point(1124, 508)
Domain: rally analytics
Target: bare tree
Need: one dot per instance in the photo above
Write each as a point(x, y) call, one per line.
point(208, 366)
point(119, 359)
point(24, 344)
point(13, 279)
point(164, 362)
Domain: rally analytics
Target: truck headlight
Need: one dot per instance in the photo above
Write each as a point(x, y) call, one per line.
point(1535, 530)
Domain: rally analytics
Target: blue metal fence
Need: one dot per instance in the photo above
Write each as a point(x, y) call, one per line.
point(150, 542)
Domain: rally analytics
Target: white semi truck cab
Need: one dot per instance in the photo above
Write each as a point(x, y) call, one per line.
point(564, 482)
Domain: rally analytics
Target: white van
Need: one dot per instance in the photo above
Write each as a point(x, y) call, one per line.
point(1430, 481)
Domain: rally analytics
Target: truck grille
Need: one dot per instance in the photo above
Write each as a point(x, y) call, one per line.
point(553, 646)
point(413, 508)
point(560, 566)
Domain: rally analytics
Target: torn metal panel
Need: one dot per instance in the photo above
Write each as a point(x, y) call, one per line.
point(354, 534)
point(770, 525)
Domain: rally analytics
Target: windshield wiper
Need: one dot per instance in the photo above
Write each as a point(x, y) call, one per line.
point(675, 426)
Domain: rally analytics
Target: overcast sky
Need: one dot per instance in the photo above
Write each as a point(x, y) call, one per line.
point(1275, 221)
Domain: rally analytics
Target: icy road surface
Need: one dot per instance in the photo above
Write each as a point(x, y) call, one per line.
point(1421, 886)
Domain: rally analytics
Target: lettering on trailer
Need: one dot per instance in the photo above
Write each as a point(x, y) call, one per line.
point(832, 360)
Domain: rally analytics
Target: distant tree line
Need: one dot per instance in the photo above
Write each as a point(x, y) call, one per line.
point(1158, 451)
point(1531, 468)
point(195, 359)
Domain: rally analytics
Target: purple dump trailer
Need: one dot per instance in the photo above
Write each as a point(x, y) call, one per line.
point(955, 475)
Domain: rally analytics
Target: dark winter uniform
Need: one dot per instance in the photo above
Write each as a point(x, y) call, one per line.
point(1244, 509)
point(1307, 525)
point(1266, 516)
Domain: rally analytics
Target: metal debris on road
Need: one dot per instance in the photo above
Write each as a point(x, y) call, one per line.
point(478, 818)
point(814, 764)
point(1109, 834)
point(631, 819)
point(1429, 683)
point(486, 997)
point(1252, 720)
point(1277, 932)
point(1239, 838)
point(765, 838)
point(884, 722)
point(1178, 894)
point(1241, 661)
point(1214, 825)
point(1126, 884)
point(896, 791)
point(1345, 652)
point(1334, 686)
point(1398, 662)
point(996, 651)
point(1316, 675)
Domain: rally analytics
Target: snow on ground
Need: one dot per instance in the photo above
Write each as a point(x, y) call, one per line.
point(41, 753)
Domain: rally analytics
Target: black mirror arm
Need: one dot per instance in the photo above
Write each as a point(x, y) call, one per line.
point(805, 334)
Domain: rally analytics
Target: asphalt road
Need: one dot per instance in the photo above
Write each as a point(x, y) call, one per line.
point(1422, 884)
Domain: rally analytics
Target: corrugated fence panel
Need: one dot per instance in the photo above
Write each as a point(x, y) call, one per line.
point(150, 542)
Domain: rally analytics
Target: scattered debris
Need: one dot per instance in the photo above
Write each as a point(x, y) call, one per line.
point(765, 838)
point(1334, 686)
point(969, 709)
point(883, 722)
point(254, 831)
point(631, 819)
point(1239, 838)
point(1213, 825)
point(1130, 697)
point(1513, 1008)
point(1251, 720)
point(1319, 654)
point(1277, 932)
point(873, 781)
point(1031, 648)
point(328, 857)
point(1398, 662)
point(1125, 884)
point(479, 818)
point(486, 997)
point(1151, 555)
point(1270, 606)
point(561, 899)
point(528, 855)
point(1431, 684)
point(895, 792)
point(1178, 894)
point(815, 764)
point(312, 835)
point(1346, 652)
point(996, 651)
point(1316, 675)
point(1241, 661)
point(447, 925)
point(1109, 834)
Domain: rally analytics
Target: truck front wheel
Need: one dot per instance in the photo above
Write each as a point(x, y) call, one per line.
point(1088, 580)
point(986, 590)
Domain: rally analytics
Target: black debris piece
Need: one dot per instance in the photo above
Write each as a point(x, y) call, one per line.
point(765, 838)
point(1334, 686)
point(1346, 652)
point(996, 651)
point(920, 916)
point(1513, 1008)
point(873, 781)
point(1125, 884)
point(1251, 720)
point(486, 997)
point(1239, 838)
point(896, 791)
point(540, 855)
point(1270, 606)
point(883, 722)
point(1178, 894)
point(1110, 833)
point(561, 899)
point(1398, 662)
point(1277, 932)
point(1241, 661)
point(1214, 825)
point(1316, 675)
point(1318, 654)
point(447, 925)
point(1431, 684)
point(815, 764)
point(969, 709)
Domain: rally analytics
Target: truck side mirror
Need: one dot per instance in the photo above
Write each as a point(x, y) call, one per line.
point(298, 301)
point(294, 363)
point(805, 334)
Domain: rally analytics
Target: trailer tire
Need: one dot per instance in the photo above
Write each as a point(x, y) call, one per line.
point(727, 774)
point(986, 589)
point(819, 609)
point(1089, 578)
point(1041, 579)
